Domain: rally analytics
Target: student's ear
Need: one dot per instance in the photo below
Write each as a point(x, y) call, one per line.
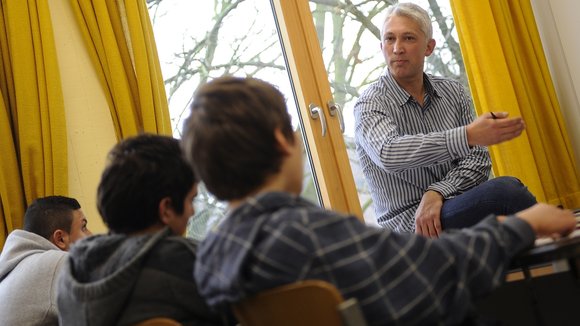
point(60, 239)
point(284, 144)
point(166, 212)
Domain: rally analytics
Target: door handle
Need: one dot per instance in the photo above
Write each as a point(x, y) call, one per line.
point(315, 113)
point(336, 110)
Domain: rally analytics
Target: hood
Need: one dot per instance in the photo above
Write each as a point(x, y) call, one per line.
point(106, 256)
point(19, 245)
point(97, 262)
point(100, 274)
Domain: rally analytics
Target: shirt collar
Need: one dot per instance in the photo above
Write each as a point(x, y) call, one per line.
point(399, 94)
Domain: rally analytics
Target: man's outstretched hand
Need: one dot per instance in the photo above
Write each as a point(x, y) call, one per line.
point(491, 129)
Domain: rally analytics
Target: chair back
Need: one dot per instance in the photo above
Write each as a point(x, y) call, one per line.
point(159, 321)
point(305, 303)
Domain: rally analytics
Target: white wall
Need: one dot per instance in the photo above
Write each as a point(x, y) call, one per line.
point(90, 128)
point(558, 25)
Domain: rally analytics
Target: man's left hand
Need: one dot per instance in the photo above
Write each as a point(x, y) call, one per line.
point(428, 215)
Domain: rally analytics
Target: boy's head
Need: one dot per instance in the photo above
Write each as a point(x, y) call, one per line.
point(146, 184)
point(58, 219)
point(239, 136)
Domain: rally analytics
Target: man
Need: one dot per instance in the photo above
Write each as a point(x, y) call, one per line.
point(33, 257)
point(143, 268)
point(272, 237)
point(421, 151)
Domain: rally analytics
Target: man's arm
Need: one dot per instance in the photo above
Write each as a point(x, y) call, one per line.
point(468, 172)
point(377, 131)
point(471, 169)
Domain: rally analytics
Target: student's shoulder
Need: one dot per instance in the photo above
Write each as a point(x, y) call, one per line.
point(172, 253)
point(178, 243)
point(53, 257)
point(173, 249)
point(310, 217)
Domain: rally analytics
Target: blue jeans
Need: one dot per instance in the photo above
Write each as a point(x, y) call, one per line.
point(500, 196)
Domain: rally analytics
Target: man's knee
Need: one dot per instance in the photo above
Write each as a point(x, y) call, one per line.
point(511, 188)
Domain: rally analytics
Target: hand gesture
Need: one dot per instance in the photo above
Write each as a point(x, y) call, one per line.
point(428, 215)
point(494, 128)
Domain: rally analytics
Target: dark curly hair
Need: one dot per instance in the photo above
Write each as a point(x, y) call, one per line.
point(141, 171)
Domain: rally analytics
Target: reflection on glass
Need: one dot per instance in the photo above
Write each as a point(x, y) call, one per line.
point(349, 36)
point(201, 40)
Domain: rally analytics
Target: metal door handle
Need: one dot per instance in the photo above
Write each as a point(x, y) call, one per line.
point(315, 113)
point(335, 109)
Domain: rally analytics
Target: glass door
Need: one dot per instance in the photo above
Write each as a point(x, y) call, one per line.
point(349, 36)
point(201, 40)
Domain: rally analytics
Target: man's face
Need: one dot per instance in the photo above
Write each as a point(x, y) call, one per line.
point(78, 229)
point(405, 47)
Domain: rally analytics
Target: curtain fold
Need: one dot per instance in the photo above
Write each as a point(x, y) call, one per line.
point(507, 71)
point(32, 118)
point(120, 41)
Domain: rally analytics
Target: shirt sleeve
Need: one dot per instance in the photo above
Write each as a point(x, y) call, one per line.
point(377, 132)
point(471, 169)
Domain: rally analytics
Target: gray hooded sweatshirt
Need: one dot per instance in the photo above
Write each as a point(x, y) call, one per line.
point(29, 265)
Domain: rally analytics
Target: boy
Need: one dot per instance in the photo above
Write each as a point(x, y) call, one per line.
point(239, 140)
point(142, 269)
point(33, 257)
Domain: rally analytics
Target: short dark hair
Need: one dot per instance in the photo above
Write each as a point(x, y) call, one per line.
point(48, 214)
point(229, 136)
point(141, 171)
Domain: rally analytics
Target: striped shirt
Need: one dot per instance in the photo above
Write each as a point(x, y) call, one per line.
point(405, 149)
point(397, 278)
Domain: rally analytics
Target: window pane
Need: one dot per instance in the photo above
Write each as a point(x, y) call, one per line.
point(201, 40)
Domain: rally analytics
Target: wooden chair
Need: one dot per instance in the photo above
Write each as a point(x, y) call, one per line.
point(305, 303)
point(159, 321)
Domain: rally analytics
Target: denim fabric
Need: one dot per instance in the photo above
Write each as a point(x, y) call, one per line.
point(499, 196)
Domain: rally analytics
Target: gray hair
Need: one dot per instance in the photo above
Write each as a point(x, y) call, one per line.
point(412, 11)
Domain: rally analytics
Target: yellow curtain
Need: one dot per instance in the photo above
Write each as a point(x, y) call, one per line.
point(33, 139)
point(507, 71)
point(119, 38)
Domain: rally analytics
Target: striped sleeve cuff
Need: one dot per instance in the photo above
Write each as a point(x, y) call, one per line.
point(456, 140)
point(446, 189)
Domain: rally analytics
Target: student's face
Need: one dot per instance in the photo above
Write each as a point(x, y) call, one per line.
point(78, 229)
point(178, 223)
point(297, 164)
point(405, 47)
